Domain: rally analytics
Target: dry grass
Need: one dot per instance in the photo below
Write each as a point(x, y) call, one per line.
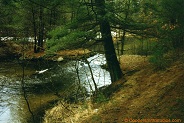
point(75, 52)
point(69, 113)
point(133, 62)
point(29, 54)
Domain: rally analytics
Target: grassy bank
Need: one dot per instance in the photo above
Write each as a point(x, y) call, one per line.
point(146, 94)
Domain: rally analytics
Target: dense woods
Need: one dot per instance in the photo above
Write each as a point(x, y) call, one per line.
point(150, 28)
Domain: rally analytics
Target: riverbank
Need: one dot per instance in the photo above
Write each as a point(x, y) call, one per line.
point(45, 82)
point(59, 56)
point(10, 50)
point(146, 94)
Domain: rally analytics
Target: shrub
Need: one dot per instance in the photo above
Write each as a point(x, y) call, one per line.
point(158, 59)
point(100, 98)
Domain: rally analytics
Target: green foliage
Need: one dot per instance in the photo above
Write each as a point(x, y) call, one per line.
point(74, 33)
point(139, 47)
point(173, 19)
point(158, 59)
point(63, 38)
point(104, 93)
point(95, 118)
point(58, 33)
point(170, 33)
point(7, 14)
point(100, 98)
point(144, 47)
point(178, 107)
point(141, 51)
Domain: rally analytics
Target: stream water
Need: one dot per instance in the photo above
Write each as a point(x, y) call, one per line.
point(41, 89)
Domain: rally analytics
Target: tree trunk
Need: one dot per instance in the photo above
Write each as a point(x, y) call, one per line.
point(124, 30)
point(112, 62)
point(34, 30)
point(123, 42)
point(41, 31)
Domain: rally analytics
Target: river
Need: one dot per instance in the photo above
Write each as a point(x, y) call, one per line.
point(41, 89)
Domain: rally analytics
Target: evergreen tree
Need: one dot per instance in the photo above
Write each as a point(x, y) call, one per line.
point(112, 62)
point(87, 18)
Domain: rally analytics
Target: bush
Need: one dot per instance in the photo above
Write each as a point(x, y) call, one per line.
point(100, 98)
point(158, 59)
point(145, 47)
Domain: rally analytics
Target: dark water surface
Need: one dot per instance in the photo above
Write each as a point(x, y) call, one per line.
point(41, 88)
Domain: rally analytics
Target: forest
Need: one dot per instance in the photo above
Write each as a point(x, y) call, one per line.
point(91, 61)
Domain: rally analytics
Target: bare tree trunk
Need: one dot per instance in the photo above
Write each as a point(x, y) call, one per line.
point(50, 21)
point(23, 85)
point(123, 42)
point(78, 77)
point(41, 30)
point(92, 77)
point(34, 30)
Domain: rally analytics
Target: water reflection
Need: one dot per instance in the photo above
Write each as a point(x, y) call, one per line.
point(41, 88)
point(9, 106)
